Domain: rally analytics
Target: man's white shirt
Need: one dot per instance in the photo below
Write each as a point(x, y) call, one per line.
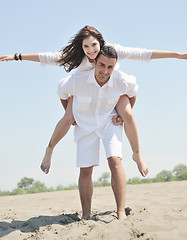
point(93, 106)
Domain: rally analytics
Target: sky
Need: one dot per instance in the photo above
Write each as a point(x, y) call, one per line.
point(29, 105)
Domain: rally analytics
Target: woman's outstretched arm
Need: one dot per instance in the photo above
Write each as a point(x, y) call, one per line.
point(46, 58)
point(157, 54)
point(143, 54)
point(29, 57)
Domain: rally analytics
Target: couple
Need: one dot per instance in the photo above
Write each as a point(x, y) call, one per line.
point(80, 54)
point(95, 95)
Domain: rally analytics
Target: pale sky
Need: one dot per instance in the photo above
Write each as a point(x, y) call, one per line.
point(30, 107)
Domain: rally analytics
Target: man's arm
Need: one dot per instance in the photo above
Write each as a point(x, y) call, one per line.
point(65, 90)
point(132, 101)
point(64, 103)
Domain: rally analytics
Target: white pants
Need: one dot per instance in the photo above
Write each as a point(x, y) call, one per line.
point(88, 146)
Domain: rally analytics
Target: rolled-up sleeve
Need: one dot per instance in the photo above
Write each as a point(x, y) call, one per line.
point(49, 58)
point(134, 54)
point(127, 84)
point(65, 88)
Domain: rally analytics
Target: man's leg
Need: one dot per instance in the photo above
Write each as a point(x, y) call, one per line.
point(86, 190)
point(112, 141)
point(124, 109)
point(87, 157)
point(118, 182)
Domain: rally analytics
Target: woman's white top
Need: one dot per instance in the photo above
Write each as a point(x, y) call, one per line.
point(134, 54)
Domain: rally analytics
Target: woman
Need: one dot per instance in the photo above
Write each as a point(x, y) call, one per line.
point(80, 54)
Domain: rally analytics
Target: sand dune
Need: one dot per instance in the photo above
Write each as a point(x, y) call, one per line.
point(159, 211)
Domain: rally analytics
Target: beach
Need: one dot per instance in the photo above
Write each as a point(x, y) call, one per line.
point(159, 211)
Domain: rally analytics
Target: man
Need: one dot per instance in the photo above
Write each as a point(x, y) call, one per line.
point(96, 93)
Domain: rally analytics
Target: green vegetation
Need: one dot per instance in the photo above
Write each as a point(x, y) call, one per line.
point(29, 185)
point(179, 173)
point(103, 181)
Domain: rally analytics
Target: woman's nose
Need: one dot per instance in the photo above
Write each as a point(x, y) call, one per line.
point(91, 49)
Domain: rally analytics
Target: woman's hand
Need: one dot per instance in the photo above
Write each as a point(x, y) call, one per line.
point(7, 58)
point(117, 120)
point(183, 55)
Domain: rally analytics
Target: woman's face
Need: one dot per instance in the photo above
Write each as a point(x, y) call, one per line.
point(91, 47)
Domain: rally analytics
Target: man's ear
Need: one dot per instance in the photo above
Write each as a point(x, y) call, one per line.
point(94, 63)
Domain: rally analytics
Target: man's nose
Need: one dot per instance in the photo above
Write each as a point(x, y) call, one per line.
point(105, 71)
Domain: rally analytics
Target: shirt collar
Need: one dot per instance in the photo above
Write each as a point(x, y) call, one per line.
point(85, 64)
point(91, 79)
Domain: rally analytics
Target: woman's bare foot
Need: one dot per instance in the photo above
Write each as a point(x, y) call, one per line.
point(140, 163)
point(46, 163)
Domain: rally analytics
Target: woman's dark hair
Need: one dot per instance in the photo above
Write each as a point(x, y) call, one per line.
point(73, 54)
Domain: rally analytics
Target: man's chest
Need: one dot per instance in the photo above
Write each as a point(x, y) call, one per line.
point(93, 99)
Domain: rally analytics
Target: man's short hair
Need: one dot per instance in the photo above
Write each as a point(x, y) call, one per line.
point(108, 52)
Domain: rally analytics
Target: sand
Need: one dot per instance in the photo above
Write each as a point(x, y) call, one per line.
point(159, 211)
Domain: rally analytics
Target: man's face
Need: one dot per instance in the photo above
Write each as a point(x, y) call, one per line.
point(104, 67)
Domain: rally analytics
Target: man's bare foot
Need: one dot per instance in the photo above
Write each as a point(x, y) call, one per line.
point(85, 217)
point(121, 215)
point(46, 163)
point(140, 163)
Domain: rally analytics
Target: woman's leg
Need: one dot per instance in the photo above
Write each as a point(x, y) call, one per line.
point(124, 109)
point(60, 131)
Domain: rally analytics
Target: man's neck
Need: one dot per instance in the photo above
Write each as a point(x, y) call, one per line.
point(100, 82)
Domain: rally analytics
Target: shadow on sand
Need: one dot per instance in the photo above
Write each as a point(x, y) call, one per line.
point(34, 224)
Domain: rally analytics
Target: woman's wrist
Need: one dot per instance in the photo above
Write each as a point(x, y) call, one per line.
point(17, 57)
